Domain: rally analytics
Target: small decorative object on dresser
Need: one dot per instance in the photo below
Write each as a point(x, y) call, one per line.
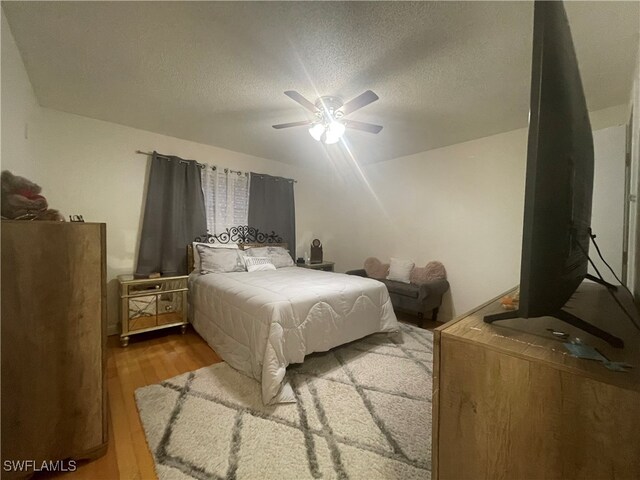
point(148, 304)
point(324, 266)
point(22, 200)
point(316, 251)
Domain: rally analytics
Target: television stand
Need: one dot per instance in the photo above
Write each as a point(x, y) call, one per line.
point(512, 403)
point(566, 317)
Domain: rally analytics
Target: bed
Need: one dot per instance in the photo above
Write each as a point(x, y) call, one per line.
point(260, 322)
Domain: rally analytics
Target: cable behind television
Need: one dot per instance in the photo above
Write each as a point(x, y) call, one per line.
point(595, 268)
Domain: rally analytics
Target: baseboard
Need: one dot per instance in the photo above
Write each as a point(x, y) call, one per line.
point(113, 330)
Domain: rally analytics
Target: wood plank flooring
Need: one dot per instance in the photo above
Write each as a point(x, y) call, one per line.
point(150, 358)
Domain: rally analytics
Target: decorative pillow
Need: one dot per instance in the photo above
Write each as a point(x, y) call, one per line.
point(196, 253)
point(279, 256)
point(400, 270)
point(219, 260)
point(258, 264)
point(375, 268)
point(433, 271)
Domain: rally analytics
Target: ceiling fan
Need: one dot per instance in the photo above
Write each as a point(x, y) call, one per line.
point(330, 124)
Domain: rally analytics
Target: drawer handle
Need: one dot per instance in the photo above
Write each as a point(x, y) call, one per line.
point(144, 288)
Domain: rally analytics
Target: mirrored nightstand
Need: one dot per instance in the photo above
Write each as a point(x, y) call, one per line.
point(148, 304)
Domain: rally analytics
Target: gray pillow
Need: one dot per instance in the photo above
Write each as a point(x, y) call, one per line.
point(196, 253)
point(279, 256)
point(219, 260)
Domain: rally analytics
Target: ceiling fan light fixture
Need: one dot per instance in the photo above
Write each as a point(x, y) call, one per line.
point(328, 134)
point(334, 132)
point(328, 126)
point(337, 128)
point(317, 131)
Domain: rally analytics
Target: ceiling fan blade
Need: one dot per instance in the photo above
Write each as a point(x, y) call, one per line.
point(365, 127)
point(292, 124)
point(296, 97)
point(360, 101)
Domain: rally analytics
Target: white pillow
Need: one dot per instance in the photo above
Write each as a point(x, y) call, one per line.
point(219, 260)
point(400, 270)
point(196, 254)
point(258, 264)
point(279, 256)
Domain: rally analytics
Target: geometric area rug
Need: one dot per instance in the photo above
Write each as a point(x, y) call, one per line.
point(363, 412)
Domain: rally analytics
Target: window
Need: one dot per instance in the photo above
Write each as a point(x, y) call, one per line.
point(226, 198)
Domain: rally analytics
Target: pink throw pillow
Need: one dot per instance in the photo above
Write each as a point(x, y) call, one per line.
point(375, 268)
point(433, 271)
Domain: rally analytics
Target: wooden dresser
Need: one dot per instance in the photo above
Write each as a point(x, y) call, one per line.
point(53, 341)
point(510, 402)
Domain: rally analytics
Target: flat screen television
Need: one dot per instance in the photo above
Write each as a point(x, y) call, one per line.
point(559, 178)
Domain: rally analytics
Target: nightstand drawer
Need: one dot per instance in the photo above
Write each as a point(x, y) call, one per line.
point(152, 287)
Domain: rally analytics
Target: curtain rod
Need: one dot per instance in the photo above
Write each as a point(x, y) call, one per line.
point(202, 165)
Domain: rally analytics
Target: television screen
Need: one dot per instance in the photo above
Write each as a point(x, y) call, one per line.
point(559, 182)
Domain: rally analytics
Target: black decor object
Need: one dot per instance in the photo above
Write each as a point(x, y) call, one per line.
point(174, 213)
point(316, 251)
point(272, 207)
point(559, 181)
point(240, 234)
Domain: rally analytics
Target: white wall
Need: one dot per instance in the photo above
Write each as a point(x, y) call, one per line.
point(609, 117)
point(19, 107)
point(461, 205)
point(607, 217)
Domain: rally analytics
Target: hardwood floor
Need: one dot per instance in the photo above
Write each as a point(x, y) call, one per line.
point(149, 358)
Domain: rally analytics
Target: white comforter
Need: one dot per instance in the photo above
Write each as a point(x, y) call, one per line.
point(260, 322)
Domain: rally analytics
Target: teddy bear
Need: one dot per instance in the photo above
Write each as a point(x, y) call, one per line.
point(21, 200)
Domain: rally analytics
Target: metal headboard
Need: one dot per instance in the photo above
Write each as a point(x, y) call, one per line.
point(239, 235)
point(243, 235)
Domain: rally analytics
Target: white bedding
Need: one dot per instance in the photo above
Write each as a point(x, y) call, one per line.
point(260, 322)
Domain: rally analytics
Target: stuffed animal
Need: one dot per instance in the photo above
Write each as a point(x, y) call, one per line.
point(433, 271)
point(375, 268)
point(511, 302)
point(21, 200)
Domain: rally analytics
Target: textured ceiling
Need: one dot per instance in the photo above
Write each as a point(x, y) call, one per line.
point(215, 72)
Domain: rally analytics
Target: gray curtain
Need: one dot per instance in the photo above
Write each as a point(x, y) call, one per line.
point(272, 207)
point(174, 215)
